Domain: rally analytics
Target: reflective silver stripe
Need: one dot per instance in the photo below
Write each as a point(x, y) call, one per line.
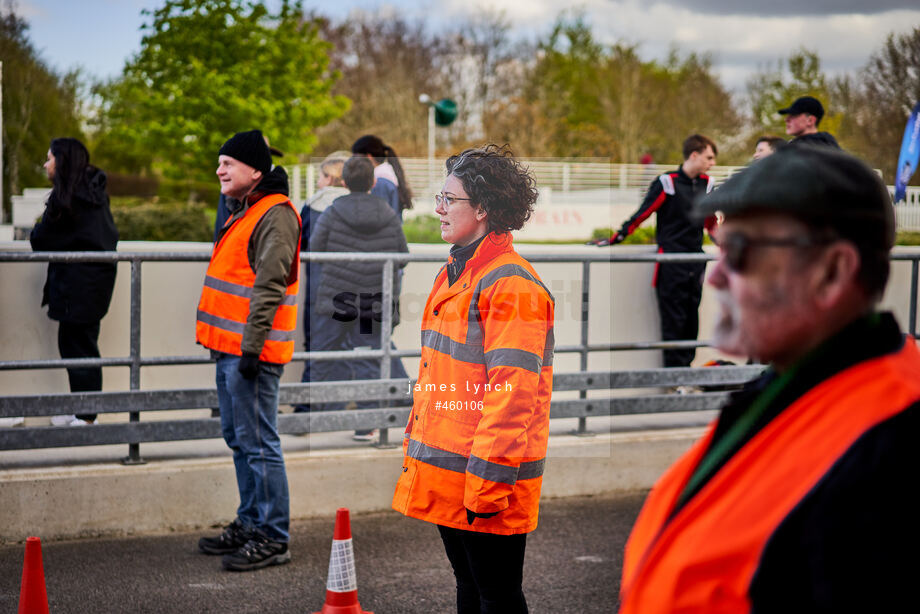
point(280, 335)
point(219, 322)
point(458, 351)
point(549, 348)
point(237, 327)
point(229, 287)
point(510, 270)
point(474, 334)
point(531, 469)
point(439, 458)
point(493, 472)
point(513, 357)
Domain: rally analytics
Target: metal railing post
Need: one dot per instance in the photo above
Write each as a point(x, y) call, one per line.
point(386, 329)
point(311, 182)
point(582, 429)
point(913, 297)
point(296, 184)
point(134, 453)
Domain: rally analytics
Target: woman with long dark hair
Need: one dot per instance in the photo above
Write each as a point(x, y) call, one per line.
point(77, 218)
point(391, 185)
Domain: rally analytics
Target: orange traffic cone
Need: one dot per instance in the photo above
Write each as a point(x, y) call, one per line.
point(33, 598)
point(342, 583)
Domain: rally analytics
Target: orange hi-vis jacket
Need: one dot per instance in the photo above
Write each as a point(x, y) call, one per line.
point(224, 305)
point(704, 558)
point(478, 431)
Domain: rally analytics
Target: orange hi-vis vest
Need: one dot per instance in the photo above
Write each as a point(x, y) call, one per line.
point(224, 305)
point(703, 559)
point(478, 431)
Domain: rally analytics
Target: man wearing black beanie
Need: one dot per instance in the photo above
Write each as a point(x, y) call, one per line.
point(246, 317)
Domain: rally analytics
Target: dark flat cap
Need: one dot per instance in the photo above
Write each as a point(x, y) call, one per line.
point(821, 186)
point(804, 104)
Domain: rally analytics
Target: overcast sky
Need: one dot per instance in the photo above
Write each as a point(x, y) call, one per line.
point(742, 36)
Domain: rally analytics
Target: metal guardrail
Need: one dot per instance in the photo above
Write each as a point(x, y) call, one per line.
point(567, 175)
point(390, 392)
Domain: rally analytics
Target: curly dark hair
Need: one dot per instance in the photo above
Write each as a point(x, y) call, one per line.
point(497, 182)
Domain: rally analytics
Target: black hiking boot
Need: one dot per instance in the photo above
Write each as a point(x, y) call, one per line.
point(258, 552)
point(232, 539)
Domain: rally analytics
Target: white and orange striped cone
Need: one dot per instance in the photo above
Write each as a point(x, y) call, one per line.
point(342, 583)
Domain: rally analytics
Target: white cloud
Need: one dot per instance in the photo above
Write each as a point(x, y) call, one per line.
point(843, 42)
point(742, 37)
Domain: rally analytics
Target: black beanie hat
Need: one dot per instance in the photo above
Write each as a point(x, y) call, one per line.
point(249, 148)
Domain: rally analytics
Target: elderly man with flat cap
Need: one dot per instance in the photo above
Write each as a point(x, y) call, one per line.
point(802, 119)
point(801, 496)
point(246, 317)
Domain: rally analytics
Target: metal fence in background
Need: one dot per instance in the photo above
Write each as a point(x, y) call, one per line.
point(577, 175)
point(389, 392)
point(568, 177)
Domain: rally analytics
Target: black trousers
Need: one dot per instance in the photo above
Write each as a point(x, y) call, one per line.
point(78, 340)
point(679, 288)
point(489, 570)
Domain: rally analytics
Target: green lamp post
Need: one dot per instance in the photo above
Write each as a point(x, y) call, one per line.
point(440, 113)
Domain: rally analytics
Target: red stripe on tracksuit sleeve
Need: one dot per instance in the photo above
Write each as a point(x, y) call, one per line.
point(644, 215)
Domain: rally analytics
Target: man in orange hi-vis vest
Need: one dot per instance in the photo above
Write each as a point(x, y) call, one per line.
point(246, 317)
point(801, 497)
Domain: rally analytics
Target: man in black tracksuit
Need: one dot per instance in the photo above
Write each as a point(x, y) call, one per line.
point(678, 285)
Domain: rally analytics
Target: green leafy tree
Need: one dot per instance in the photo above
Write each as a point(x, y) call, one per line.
point(38, 105)
point(775, 88)
point(208, 69)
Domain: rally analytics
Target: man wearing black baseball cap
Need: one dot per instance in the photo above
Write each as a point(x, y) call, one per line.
point(802, 119)
point(246, 317)
point(801, 495)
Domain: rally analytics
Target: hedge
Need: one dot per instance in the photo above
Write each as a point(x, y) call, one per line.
point(152, 220)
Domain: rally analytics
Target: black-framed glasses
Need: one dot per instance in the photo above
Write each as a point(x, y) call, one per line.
point(447, 201)
point(736, 247)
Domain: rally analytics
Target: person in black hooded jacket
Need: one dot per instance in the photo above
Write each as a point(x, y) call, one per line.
point(77, 218)
point(348, 308)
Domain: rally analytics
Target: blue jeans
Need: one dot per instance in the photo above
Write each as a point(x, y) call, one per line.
point(329, 334)
point(249, 422)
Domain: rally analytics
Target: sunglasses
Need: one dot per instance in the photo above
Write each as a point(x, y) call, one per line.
point(736, 247)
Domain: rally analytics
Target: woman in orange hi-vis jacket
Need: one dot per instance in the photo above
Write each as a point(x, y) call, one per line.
point(475, 444)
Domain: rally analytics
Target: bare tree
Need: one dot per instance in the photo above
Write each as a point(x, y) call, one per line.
point(385, 64)
point(878, 100)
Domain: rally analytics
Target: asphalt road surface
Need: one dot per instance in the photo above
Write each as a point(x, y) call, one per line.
point(573, 565)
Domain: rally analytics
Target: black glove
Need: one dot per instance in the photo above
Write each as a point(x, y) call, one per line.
point(471, 515)
point(617, 238)
point(249, 365)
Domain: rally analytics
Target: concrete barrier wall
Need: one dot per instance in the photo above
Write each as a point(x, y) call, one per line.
point(175, 495)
